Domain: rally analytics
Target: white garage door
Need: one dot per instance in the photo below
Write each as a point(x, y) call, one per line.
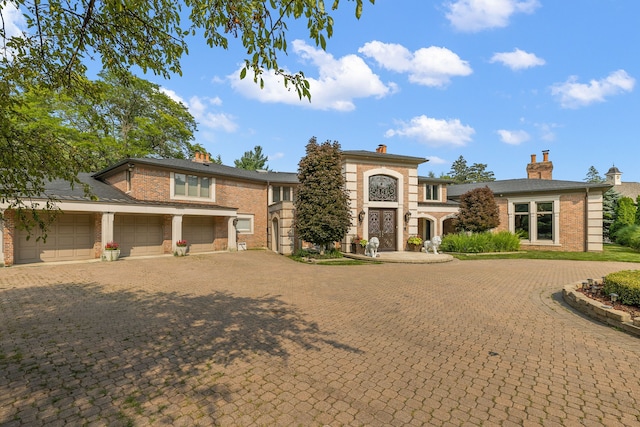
point(69, 238)
point(138, 235)
point(199, 232)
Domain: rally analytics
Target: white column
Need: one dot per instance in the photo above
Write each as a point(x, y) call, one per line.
point(1, 238)
point(176, 231)
point(107, 227)
point(231, 233)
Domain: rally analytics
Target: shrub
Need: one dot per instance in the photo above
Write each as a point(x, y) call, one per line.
point(626, 284)
point(306, 253)
point(629, 236)
point(503, 241)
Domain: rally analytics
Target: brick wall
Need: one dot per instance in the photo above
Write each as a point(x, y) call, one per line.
point(249, 198)
point(97, 235)
point(9, 232)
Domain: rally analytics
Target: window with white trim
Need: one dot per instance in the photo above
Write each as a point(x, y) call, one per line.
point(244, 224)
point(191, 187)
point(432, 192)
point(536, 221)
point(281, 194)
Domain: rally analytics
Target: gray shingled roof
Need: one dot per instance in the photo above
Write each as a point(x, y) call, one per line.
point(628, 189)
point(61, 190)
point(435, 180)
point(383, 156)
point(524, 185)
point(209, 169)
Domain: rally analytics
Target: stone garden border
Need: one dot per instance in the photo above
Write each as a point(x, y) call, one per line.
point(597, 310)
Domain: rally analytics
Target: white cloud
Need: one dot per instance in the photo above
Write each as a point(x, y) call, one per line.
point(276, 156)
point(572, 94)
point(477, 15)
point(513, 137)
point(518, 59)
point(547, 131)
point(433, 132)
point(435, 160)
point(339, 82)
point(199, 109)
point(14, 25)
point(431, 66)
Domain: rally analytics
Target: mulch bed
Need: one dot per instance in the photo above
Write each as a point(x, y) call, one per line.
point(605, 300)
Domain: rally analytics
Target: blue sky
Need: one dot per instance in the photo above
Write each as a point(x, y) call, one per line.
point(492, 80)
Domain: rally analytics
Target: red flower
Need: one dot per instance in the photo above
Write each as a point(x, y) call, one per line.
point(112, 246)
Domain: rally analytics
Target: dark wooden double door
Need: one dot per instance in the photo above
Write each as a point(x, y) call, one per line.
point(383, 225)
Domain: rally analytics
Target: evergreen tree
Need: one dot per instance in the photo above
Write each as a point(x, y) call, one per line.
point(461, 173)
point(593, 176)
point(625, 215)
point(637, 210)
point(322, 202)
point(252, 160)
point(609, 203)
point(478, 211)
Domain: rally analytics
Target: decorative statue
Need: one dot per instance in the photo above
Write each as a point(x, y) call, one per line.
point(432, 244)
point(372, 247)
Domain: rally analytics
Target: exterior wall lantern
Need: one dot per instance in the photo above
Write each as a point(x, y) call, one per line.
point(407, 216)
point(361, 215)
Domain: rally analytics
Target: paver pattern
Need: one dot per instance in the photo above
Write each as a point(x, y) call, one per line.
point(253, 338)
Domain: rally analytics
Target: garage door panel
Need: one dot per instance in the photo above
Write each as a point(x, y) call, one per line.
point(199, 232)
point(139, 235)
point(70, 237)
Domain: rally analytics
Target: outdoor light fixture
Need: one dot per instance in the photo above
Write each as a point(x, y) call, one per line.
point(407, 216)
point(614, 297)
point(361, 215)
point(131, 166)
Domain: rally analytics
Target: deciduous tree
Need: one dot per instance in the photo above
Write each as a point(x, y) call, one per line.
point(322, 203)
point(478, 211)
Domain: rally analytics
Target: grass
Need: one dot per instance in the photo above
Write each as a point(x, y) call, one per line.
point(611, 252)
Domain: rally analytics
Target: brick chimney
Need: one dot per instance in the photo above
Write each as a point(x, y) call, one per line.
point(199, 157)
point(540, 170)
point(381, 149)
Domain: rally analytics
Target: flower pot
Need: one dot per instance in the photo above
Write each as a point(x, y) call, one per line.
point(110, 255)
point(415, 248)
point(181, 251)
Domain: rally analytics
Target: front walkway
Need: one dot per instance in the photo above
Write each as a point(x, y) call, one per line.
point(255, 339)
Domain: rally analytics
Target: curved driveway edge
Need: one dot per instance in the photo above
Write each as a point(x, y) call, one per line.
point(599, 311)
point(254, 339)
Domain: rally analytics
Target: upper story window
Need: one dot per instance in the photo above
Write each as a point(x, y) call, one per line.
point(432, 192)
point(383, 188)
point(191, 187)
point(281, 194)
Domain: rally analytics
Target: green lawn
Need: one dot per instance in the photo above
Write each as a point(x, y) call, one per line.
point(611, 253)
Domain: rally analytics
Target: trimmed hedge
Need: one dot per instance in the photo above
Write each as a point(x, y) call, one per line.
point(626, 284)
point(474, 243)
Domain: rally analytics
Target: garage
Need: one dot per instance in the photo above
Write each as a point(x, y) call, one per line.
point(138, 235)
point(69, 238)
point(199, 232)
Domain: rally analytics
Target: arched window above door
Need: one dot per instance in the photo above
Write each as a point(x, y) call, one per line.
point(383, 188)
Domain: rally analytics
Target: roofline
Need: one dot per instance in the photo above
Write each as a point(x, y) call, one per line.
point(371, 155)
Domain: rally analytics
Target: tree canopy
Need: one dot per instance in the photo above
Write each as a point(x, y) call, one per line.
point(63, 37)
point(461, 173)
point(253, 160)
point(478, 211)
point(322, 202)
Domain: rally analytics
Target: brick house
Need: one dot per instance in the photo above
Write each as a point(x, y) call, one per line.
point(147, 205)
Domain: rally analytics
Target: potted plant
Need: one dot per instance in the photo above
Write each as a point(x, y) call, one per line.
point(111, 251)
point(181, 248)
point(415, 243)
point(355, 244)
point(362, 244)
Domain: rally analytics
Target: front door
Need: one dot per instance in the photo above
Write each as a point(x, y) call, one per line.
point(382, 224)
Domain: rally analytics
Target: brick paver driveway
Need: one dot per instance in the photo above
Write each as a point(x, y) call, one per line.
point(253, 338)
